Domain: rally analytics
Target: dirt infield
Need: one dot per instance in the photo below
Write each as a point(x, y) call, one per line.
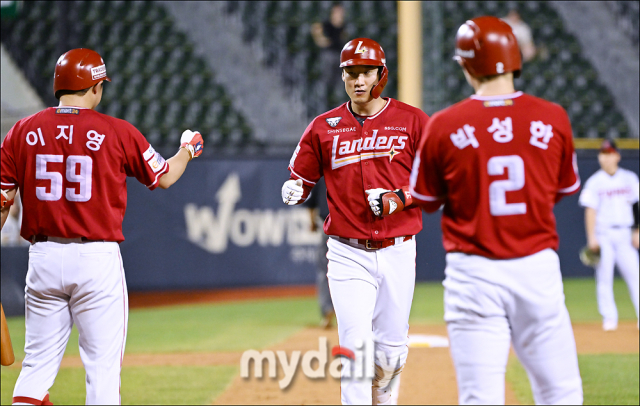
point(428, 378)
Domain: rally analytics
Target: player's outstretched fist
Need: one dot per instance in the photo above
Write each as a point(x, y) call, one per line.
point(192, 142)
point(292, 192)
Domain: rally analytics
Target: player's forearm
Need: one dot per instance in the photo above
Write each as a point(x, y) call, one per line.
point(7, 200)
point(5, 214)
point(590, 223)
point(177, 165)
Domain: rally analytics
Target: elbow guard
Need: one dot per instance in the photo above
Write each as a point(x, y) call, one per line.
point(635, 215)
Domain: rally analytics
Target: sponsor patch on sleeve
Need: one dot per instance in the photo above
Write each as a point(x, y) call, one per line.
point(67, 110)
point(148, 153)
point(156, 163)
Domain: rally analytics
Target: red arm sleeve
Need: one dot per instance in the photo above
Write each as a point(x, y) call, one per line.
point(306, 162)
point(9, 178)
point(426, 184)
point(143, 162)
point(568, 179)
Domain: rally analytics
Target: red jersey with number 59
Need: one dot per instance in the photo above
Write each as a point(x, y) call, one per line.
point(499, 164)
point(70, 165)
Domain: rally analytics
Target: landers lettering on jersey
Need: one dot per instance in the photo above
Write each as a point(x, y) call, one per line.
point(67, 110)
point(351, 151)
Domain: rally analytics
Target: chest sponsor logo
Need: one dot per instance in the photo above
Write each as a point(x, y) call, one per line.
point(67, 110)
point(333, 121)
point(375, 146)
point(342, 130)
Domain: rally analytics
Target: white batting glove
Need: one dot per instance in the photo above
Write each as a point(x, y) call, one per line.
point(374, 200)
point(292, 192)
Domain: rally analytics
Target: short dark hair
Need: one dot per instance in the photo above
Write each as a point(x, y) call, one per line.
point(82, 92)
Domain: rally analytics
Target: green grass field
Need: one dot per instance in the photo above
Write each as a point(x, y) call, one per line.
point(238, 326)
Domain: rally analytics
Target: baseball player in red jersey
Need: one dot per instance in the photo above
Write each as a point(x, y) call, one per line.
point(499, 161)
point(70, 164)
point(364, 149)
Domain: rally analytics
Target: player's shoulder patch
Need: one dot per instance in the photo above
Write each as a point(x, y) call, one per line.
point(333, 121)
point(67, 110)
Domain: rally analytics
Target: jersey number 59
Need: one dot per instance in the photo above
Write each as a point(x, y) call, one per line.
point(81, 176)
point(499, 188)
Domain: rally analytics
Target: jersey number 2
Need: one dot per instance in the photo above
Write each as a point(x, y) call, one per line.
point(81, 176)
point(499, 188)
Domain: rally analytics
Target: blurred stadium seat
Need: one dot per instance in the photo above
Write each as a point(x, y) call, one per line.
point(158, 84)
point(627, 14)
point(283, 30)
point(558, 73)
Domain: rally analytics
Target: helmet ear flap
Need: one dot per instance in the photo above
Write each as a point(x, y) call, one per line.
point(377, 89)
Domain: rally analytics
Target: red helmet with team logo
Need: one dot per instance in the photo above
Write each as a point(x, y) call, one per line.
point(486, 46)
point(365, 51)
point(78, 69)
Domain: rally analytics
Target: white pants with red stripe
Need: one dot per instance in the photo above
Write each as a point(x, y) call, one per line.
point(490, 304)
point(81, 283)
point(372, 293)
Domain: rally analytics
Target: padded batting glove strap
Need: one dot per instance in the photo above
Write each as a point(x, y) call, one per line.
point(5, 202)
point(192, 142)
point(292, 192)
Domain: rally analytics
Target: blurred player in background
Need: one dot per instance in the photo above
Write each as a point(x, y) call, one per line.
point(610, 199)
point(523, 34)
point(329, 36)
point(70, 164)
point(498, 161)
point(364, 149)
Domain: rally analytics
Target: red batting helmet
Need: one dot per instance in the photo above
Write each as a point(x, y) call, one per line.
point(78, 69)
point(365, 51)
point(486, 46)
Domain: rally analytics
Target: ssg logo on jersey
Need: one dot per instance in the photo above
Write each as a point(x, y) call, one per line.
point(333, 121)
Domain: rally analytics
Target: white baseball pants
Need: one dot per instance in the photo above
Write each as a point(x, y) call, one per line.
point(616, 249)
point(492, 303)
point(81, 283)
point(372, 293)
